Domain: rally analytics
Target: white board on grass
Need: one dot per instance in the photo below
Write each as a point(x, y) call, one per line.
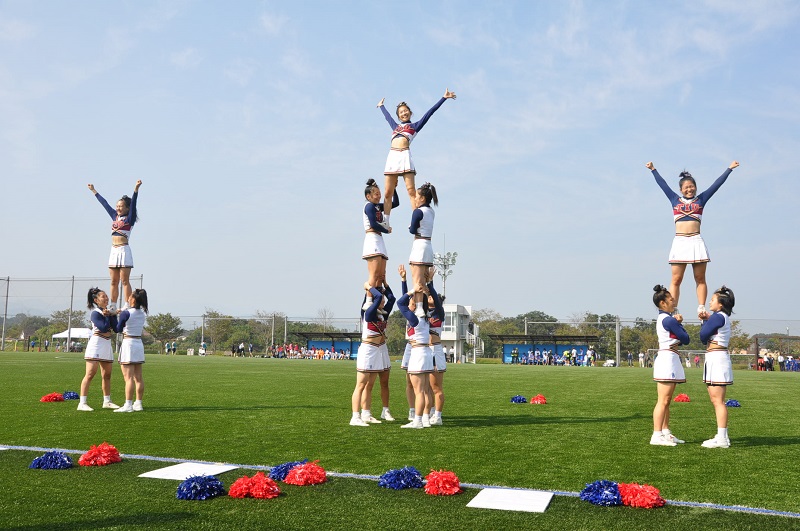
point(182, 471)
point(532, 501)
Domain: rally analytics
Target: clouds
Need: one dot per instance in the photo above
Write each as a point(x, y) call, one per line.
point(15, 30)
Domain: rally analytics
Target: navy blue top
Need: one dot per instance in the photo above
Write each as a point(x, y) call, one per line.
point(372, 210)
point(410, 127)
point(371, 314)
point(104, 323)
point(680, 209)
point(127, 221)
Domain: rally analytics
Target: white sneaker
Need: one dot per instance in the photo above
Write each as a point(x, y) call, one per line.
point(701, 309)
point(110, 405)
point(370, 420)
point(387, 416)
point(661, 441)
point(674, 439)
point(413, 424)
point(419, 311)
point(84, 407)
point(367, 303)
point(356, 421)
point(426, 422)
point(384, 224)
point(138, 407)
point(436, 421)
point(124, 409)
point(717, 443)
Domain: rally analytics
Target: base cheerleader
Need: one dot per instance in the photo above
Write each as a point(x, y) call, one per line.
point(688, 246)
point(436, 320)
point(420, 361)
point(374, 250)
point(717, 368)
point(399, 163)
point(131, 352)
point(421, 258)
point(120, 262)
point(667, 368)
point(98, 349)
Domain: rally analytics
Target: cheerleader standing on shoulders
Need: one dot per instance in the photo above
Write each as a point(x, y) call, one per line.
point(436, 320)
point(407, 352)
point(374, 250)
point(420, 362)
point(688, 246)
point(667, 368)
point(421, 258)
point(120, 262)
point(717, 369)
point(131, 353)
point(98, 349)
point(372, 355)
point(399, 163)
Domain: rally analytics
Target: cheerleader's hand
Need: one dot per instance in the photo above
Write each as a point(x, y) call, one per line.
point(431, 273)
point(91, 188)
point(402, 270)
point(650, 166)
point(367, 287)
point(448, 94)
point(704, 316)
point(734, 164)
point(388, 230)
point(138, 184)
point(380, 103)
point(678, 317)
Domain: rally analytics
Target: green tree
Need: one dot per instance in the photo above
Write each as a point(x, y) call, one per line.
point(163, 326)
point(61, 319)
point(218, 329)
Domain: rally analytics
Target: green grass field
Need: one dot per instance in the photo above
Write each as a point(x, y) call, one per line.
point(596, 425)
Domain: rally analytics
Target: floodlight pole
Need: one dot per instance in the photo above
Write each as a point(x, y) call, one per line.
point(443, 263)
point(5, 316)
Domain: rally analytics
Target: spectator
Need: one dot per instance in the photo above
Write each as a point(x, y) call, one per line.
point(641, 359)
point(781, 360)
point(630, 359)
point(697, 360)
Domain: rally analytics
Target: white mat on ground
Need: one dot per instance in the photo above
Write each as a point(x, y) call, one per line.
point(184, 470)
point(532, 501)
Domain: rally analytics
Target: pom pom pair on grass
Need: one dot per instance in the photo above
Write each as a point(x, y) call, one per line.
point(101, 455)
point(538, 399)
point(610, 493)
point(58, 397)
point(259, 486)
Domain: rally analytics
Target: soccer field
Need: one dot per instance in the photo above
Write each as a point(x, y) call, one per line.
point(257, 412)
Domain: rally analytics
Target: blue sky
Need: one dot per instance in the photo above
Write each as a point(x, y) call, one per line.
point(253, 126)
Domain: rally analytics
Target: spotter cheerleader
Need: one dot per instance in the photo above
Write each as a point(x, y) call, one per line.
point(667, 368)
point(436, 320)
point(421, 258)
point(399, 163)
point(131, 353)
point(717, 369)
point(373, 354)
point(98, 349)
point(120, 262)
point(407, 352)
point(420, 362)
point(688, 246)
point(374, 250)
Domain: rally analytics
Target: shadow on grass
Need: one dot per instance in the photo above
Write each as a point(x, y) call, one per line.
point(181, 520)
point(517, 420)
point(157, 409)
point(764, 441)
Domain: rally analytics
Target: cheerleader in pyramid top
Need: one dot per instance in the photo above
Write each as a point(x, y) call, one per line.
point(131, 353)
point(420, 362)
point(98, 349)
point(667, 368)
point(120, 262)
point(373, 354)
point(717, 369)
point(436, 320)
point(688, 246)
point(374, 250)
point(422, 251)
point(399, 163)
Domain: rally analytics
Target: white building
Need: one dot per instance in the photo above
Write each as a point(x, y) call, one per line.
point(459, 331)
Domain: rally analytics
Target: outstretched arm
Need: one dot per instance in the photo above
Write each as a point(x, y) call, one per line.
point(132, 212)
point(402, 270)
point(111, 211)
point(672, 196)
point(386, 115)
point(705, 196)
point(438, 309)
point(402, 305)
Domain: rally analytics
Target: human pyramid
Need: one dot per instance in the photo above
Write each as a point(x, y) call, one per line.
point(423, 360)
point(688, 247)
point(107, 317)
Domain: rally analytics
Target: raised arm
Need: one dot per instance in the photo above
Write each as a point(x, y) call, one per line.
point(402, 270)
point(390, 298)
point(705, 196)
point(402, 305)
point(671, 195)
point(111, 211)
point(386, 115)
point(438, 309)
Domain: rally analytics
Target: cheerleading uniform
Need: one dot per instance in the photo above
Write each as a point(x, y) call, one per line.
point(420, 360)
point(373, 239)
point(99, 346)
point(131, 323)
point(121, 255)
point(717, 368)
point(422, 228)
point(373, 354)
point(399, 160)
point(689, 248)
point(667, 366)
point(436, 320)
point(409, 333)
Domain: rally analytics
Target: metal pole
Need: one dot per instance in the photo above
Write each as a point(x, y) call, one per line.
point(69, 315)
point(285, 326)
point(618, 341)
point(273, 329)
point(203, 330)
point(5, 316)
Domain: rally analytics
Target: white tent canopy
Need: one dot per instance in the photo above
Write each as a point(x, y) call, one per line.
point(74, 333)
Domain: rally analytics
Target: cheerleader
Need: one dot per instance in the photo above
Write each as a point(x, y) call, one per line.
point(717, 369)
point(407, 352)
point(373, 355)
point(374, 250)
point(421, 258)
point(98, 349)
point(688, 246)
point(120, 262)
point(131, 353)
point(399, 163)
point(420, 362)
point(436, 319)
point(667, 368)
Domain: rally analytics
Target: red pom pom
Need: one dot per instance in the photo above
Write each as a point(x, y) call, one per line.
point(52, 397)
point(539, 399)
point(645, 496)
point(683, 397)
point(442, 483)
point(240, 488)
point(101, 455)
point(306, 474)
point(264, 487)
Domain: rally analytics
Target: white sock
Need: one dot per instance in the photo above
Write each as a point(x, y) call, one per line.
point(83, 399)
point(356, 415)
point(437, 413)
point(366, 413)
point(426, 418)
point(128, 403)
point(106, 398)
point(722, 433)
point(418, 419)
point(657, 434)
point(137, 402)
point(385, 410)
point(412, 412)
point(666, 432)
point(386, 218)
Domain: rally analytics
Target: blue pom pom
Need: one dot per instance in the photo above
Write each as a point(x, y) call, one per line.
point(401, 478)
point(70, 395)
point(52, 461)
point(519, 399)
point(602, 492)
point(279, 473)
point(733, 403)
point(200, 488)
